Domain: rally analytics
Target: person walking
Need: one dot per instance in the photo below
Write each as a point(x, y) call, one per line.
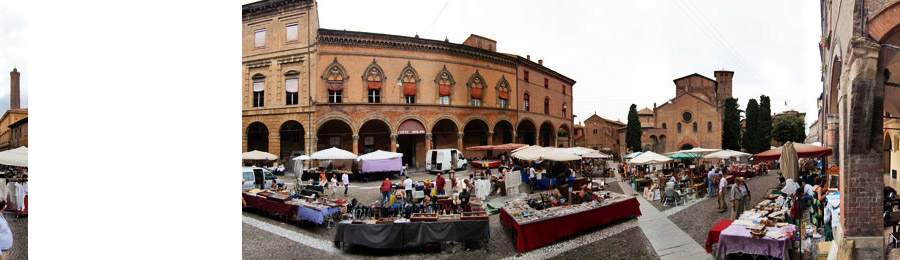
point(531, 177)
point(408, 187)
point(346, 179)
point(385, 191)
point(334, 184)
point(6, 235)
point(711, 182)
point(740, 196)
point(723, 184)
point(439, 184)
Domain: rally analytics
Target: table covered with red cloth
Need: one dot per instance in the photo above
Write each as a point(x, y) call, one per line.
point(536, 234)
point(271, 206)
point(713, 236)
point(486, 164)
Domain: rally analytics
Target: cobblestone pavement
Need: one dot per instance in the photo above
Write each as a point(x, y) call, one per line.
point(629, 244)
point(19, 226)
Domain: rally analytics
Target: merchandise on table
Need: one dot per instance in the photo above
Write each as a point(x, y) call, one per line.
point(523, 214)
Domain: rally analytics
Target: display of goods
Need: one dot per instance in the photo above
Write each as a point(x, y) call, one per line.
point(474, 216)
point(385, 221)
point(264, 194)
point(339, 201)
point(424, 217)
point(448, 217)
point(280, 197)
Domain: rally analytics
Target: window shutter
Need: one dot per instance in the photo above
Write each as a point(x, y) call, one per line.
point(259, 86)
point(291, 85)
point(260, 38)
point(444, 90)
point(409, 88)
point(291, 31)
point(504, 94)
point(476, 93)
point(376, 85)
point(335, 85)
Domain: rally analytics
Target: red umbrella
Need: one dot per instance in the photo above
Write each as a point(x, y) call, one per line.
point(479, 148)
point(803, 151)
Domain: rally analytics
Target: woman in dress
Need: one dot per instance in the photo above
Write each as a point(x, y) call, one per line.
point(816, 209)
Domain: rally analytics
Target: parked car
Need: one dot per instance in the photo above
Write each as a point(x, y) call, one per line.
point(251, 174)
point(442, 160)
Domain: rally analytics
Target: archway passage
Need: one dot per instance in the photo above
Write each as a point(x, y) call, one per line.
point(502, 133)
point(662, 144)
point(546, 134)
point(445, 134)
point(411, 142)
point(257, 137)
point(334, 133)
point(562, 136)
point(686, 147)
point(291, 137)
point(655, 144)
point(374, 135)
point(475, 133)
point(525, 133)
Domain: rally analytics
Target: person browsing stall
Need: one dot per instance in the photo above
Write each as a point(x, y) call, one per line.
point(385, 190)
point(740, 196)
point(723, 184)
point(408, 187)
point(346, 178)
point(6, 236)
point(711, 182)
point(439, 184)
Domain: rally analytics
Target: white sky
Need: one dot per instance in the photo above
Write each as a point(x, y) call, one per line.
point(13, 52)
point(624, 52)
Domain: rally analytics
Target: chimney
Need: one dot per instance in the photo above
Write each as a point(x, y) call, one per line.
point(528, 57)
point(541, 62)
point(14, 89)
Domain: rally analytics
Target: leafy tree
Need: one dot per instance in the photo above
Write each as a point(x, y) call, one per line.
point(789, 128)
point(751, 130)
point(765, 122)
point(731, 125)
point(633, 130)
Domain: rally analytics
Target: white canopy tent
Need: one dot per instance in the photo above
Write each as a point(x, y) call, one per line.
point(577, 150)
point(597, 155)
point(379, 155)
point(15, 157)
point(531, 153)
point(333, 153)
point(698, 150)
point(726, 154)
point(650, 157)
point(258, 155)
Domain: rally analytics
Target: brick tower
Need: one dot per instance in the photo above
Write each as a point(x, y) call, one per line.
point(14, 89)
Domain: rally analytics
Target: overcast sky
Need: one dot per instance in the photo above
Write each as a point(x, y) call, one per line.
point(624, 52)
point(12, 51)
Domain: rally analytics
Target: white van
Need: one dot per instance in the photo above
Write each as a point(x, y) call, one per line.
point(250, 175)
point(441, 160)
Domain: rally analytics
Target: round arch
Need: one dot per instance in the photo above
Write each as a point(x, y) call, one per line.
point(526, 132)
point(257, 137)
point(444, 133)
point(475, 132)
point(291, 135)
point(375, 116)
point(336, 116)
point(546, 134)
point(503, 132)
point(374, 134)
point(334, 133)
point(414, 117)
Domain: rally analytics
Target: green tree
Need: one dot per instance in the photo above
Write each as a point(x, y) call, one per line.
point(789, 128)
point(765, 122)
point(751, 129)
point(731, 125)
point(633, 130)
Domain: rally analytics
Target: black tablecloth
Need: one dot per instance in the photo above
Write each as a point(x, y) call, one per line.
point(400, 234)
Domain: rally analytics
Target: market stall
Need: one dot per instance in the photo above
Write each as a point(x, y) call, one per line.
point(803, 151)
point(534, 228)
point(759, 231)
point(328, 156)
point(401, 233)
point(15, 183)
point(284, 205)
point(379, 164)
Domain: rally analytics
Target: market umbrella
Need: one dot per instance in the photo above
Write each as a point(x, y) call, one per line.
point(15, 157)
point(803, 151)
point(333, 153)
point(699, 150)
point(596, 155)
point(685, 156)
point(509, 146)
point(480, 148)
point(650, 157)
point(544, 153)
point(789, 161)
point(258, 155)
point(725, 154)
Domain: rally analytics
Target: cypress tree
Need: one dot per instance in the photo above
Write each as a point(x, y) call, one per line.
point(633, 130)
point(765, 123)
point(731, 125)
point(751, 130)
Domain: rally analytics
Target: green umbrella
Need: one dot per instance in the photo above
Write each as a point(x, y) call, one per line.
point(685, 156)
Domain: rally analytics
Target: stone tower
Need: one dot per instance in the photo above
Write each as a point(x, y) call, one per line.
point(723, 84)
point(14, 89)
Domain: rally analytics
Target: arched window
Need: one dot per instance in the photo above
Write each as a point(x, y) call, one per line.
point(444, 80)
point(526, 102)
point(259, 87)
point(374, 78)
point(546, 105)
point(664, 125)
point(291, 86)
point(409, 79)
point(564, 110)
point(476, 88)
point(679, 127)
point(709, 127)
point(695, 127)
point(502, 93)
point(335, 76)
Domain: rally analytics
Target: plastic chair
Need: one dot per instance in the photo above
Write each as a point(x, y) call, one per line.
point(670, 197)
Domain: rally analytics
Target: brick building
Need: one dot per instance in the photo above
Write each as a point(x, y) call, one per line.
point(307, 88)
point(14, 122)
point(602, 134)
point(860, 51)
point(692, 118)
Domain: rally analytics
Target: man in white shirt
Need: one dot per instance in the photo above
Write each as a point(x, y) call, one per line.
point(723, 184)
point(6, 236)
point(531, 176)
point(346, 179)
point(408, 186)
point(711, 182)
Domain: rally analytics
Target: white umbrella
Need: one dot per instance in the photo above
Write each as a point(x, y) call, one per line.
point(302, 158)
point(258, 155)
point(544, 153)
point(696, 150)
point(725, 154)
point(15, 157)
point(379, 155)
point(650, 157)
point(333, 153)
point(596, 155)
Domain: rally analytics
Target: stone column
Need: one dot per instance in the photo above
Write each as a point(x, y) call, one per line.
point(459, 140)
point(861, 105)
point(490, 138)
point(356, 144)
point(275, 145)
point(427, 142)
point(394, 143)
point(314, 145)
